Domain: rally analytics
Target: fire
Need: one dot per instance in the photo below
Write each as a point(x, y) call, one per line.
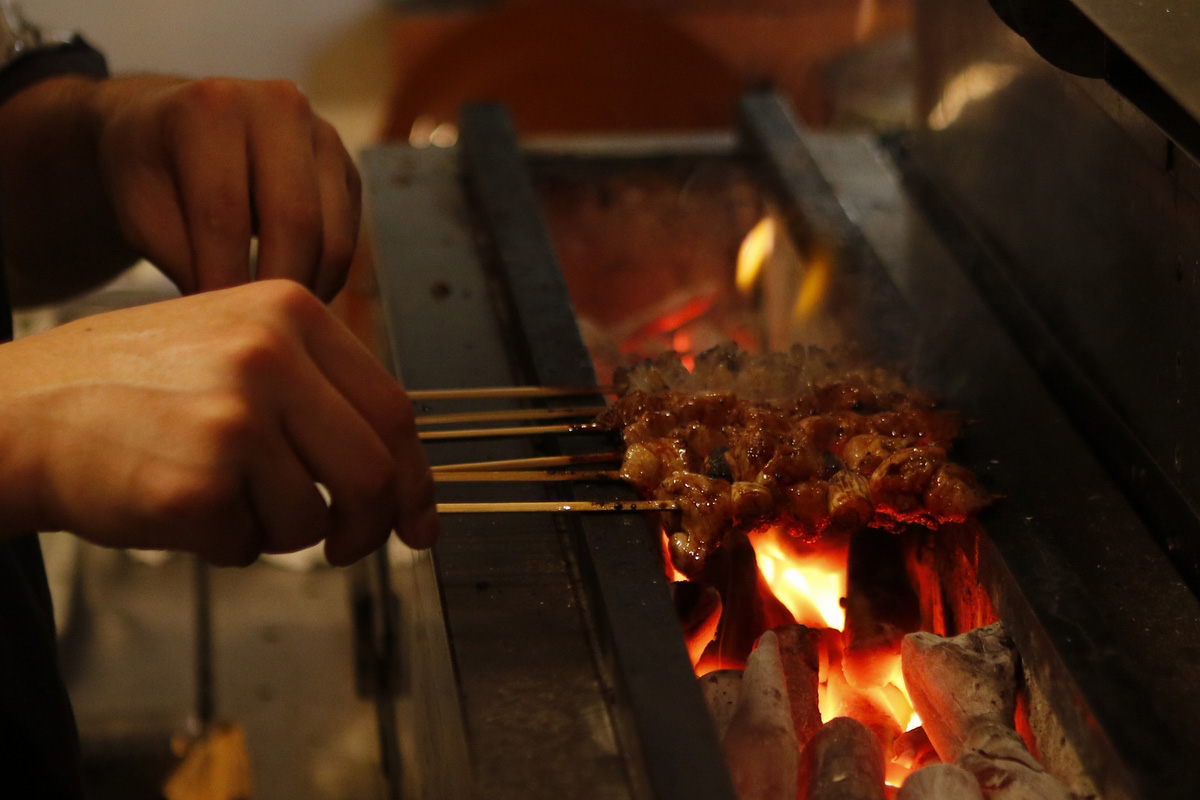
point(755, 251)
point(811, 588)
point(814, 286)
point(811, 583)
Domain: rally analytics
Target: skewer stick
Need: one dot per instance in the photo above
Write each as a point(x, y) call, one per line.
point(519, 430)
point(468, 417)
point(495, 476)
point(497, 392)
point(529, 463)
point(555, 505)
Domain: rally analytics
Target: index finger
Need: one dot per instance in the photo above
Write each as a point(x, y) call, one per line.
point(382, 402)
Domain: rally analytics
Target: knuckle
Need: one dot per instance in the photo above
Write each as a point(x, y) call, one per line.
point(202, 101)
point(287, 97)
point(214, 94)
point(291, 300)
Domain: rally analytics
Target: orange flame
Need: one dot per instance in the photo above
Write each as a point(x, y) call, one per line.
point(753, 254)
point(811, 583)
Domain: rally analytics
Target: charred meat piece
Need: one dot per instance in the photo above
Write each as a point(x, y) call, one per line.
point(925, 425)
point(753, 504)
point(791, 464)
point(850, 505)
point(954, 494)
point(899, 482)
point(865, 452)
point(831, 431)
point(706, 514)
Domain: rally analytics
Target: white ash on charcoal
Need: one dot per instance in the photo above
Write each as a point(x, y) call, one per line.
point(843, 761)
point(867, 707)
point(760, 744)
point(1042, 730)
point(996, 755)
point(721, 689)
point(940, 782)
point(799, 654)
point(913, 750)
point(958, 682)
point(964, 688)
point(881, 608)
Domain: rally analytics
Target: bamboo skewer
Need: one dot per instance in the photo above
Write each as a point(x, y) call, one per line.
point(557, 505)
point(499, 476)
point(536, 462)
point(468, 417)
point(498, 392)
point(519, 430)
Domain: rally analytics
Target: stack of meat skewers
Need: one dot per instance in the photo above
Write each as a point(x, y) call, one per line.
point(804, 440)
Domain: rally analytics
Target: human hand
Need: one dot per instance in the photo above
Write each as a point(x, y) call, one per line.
point(193, 169)
point(203, 423)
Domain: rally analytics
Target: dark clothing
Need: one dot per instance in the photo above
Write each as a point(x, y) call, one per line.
point(39, 745)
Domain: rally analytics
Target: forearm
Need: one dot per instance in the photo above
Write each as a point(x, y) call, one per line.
point(59, 233)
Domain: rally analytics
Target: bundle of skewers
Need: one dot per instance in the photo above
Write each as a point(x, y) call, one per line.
point(521, 423)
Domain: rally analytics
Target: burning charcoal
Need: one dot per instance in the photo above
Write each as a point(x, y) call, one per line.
point(913, 750)
point(748, 607)
point(760, 743)
point(721, 689)
point(798, 652)
point(699, 611)
point(959, 682)
point(868, 707)
point(940, 782)
point(881, 607)
point(843, 761)
point(995, 754)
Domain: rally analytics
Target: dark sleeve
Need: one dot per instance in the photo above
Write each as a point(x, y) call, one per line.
point(77, 57)
point(39, 745)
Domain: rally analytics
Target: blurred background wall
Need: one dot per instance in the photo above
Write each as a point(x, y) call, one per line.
point(336, 50)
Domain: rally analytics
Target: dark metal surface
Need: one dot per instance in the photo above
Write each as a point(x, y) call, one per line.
point(661, 718)
point(1093, 253)
point(1092, 603)
point(1145, 51)
point(510, 705)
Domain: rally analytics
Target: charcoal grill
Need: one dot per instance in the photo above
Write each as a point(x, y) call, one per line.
point(541, 656)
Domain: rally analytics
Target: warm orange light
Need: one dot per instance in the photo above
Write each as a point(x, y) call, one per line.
point(814, 286)
point(811, 584)
point(756, 248)
point(812, 589)
point(683, 344)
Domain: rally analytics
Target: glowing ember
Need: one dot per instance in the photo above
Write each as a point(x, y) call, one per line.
point(810, 581)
